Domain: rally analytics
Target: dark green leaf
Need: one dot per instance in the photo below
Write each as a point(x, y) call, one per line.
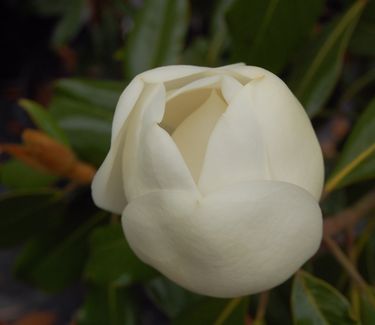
point(48, 8)
point(363, 41)
point(315, 74)
point(170, 297)
point(25, 213)
point(316, 302)
point(196, 53)
point(219, 39)
point(14, 174)
point(157, 37)
point(111, 258)
point(360, 147)
point(214, 311)
point(55, 259)
point(267, 32)
point(110, 305)
point(43, 120)
point(70, 22)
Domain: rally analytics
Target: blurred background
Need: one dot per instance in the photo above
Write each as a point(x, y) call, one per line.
point(63, 65)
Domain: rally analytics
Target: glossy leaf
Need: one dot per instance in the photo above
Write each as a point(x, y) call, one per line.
point(70, 22)
point(84, 110)
point(170, 297)
point(267, 32)
point(25, 213)
point(101, 93)
point(43, 120)
point(158, 35)
point(111, 258)
point(363, 41)
point(111, 305)
point(214, 311)
point(14, 174)
point(357, 160)
point(55, 259)
point(315, 74)
point(317, 302)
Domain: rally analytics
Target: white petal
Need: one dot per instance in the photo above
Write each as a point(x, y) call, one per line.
point(125, 105)
point(171, 72)
point(236, 150)
point(230, 87)
point(159, 75)
point(192, 135)
point(241, 240)
point(107, 187)
point(151, 159)
point(293, 149)
point(250, 72)
point(183, 101)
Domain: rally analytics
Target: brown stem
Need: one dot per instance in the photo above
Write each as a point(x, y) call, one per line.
point(262, 307)
point(344, 261)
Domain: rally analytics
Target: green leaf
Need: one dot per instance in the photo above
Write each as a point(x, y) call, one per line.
point(48, 8)
point(26, 212)
point(157, 37)
point(70, 22)
point(111, 305)
point(170, 297)
point(214, 311)
point(43, 120)
point(363, 39)
point(103, 94)
point(84, 110)
point(267, 32)
point(14, 174)
point(109, 248)
point(316, 302)
point(55, 259)
point(196, 53)
point(219, 39)
point(367, 306)
point(357, 160)
point(316, 74)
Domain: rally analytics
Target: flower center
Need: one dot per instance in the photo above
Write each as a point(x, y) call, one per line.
point(192, 134)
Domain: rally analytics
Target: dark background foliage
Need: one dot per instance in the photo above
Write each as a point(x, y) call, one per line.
point(64, 64)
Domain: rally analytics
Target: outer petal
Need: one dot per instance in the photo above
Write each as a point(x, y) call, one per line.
point(241, 240)
point(236, 149)
point(126, 102)
point(171, 73)
point(107, 186)
point(293, 149)
point(151, 160)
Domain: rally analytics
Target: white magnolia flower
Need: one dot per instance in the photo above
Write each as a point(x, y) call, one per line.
point(217, 174)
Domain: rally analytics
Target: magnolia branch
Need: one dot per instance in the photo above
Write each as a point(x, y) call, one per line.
point(344, 261)
point(344, 220)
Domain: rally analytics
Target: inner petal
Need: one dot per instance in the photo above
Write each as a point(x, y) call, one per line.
point(192, 135)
